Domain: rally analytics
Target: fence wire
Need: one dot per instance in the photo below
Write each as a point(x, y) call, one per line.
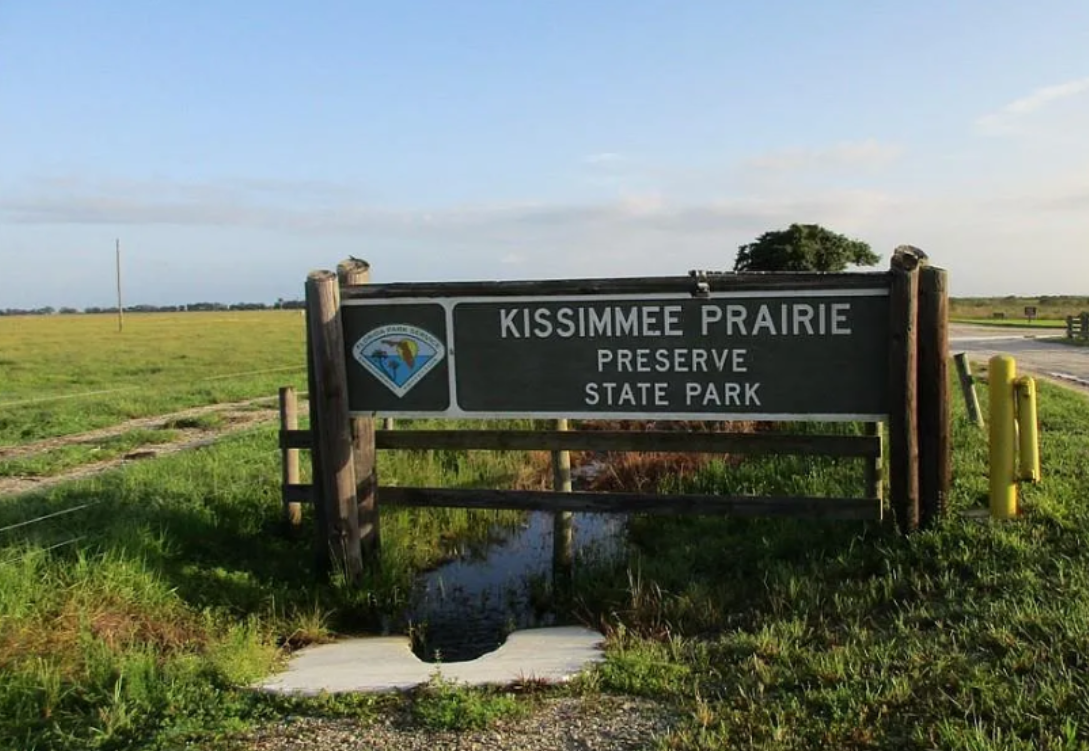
point(54, 515)
point(55, 546)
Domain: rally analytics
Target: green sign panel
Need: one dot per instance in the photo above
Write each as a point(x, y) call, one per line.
point(814, 355)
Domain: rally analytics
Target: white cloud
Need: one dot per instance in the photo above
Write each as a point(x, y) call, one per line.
point(225, 204)
point(866, 154)
point(1007, 119)
point(978, 226)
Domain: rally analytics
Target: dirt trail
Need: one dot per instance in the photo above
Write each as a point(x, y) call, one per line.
point(236, 417)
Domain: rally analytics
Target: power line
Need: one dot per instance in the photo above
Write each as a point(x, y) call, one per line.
point(120, 307)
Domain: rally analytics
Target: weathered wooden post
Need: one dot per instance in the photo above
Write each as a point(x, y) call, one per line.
point(339, 545)
point(1085, 325)
point(875, 465)
point(968, 388)
point(351, 273)
point(1070, 327)
point(903, 394)
point(317, 476)
point(935, 442)
point(563, 537)
point(289, 457)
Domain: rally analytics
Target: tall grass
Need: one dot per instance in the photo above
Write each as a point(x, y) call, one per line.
point(797, 635)
point(177, 585)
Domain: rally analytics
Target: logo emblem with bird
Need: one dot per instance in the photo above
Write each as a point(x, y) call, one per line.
point(399, 355)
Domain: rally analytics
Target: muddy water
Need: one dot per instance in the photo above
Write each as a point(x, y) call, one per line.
point(467, 607)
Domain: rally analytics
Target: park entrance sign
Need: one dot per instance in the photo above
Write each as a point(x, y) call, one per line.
point(868, 349)
point(773, 354)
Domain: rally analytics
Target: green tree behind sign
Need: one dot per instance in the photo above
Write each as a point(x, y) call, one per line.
point(803, 247)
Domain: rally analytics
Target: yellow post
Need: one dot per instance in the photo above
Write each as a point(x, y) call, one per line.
point(1001, 374)
point(1027, 431)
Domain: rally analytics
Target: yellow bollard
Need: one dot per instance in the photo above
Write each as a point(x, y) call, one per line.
point(1001, 374)
point(1028, 434)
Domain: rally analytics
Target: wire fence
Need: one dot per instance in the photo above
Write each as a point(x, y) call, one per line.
point(49, 549)
point(29, 545)
point(105, 392)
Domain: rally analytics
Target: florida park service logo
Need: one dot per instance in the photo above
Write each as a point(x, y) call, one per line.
point(399, 355)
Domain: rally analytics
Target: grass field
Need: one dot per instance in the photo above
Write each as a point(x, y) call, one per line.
point(132, 617)
point(67, 374)
point(173, 587)
point(1036, 323)
point(1052, 309)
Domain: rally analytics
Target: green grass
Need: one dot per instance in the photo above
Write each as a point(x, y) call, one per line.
point(63, 458)
point(794, 636)
point(1035, 323)
point(441, 705)
point(760, 633)
point(68, 374)
point(1054, 307)
point(132, 622)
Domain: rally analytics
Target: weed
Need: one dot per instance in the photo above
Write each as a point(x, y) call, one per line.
point(444, 705)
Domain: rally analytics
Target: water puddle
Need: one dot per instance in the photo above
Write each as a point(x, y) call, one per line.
point(467, 607)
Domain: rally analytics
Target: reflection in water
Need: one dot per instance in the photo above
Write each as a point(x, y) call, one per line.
point(468, 606)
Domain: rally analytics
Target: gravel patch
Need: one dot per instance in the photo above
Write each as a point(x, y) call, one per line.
point(597, 723)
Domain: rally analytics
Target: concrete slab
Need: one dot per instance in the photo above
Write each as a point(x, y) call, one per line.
point(387, 663)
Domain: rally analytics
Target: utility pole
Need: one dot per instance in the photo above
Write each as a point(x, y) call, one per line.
point(120, 307)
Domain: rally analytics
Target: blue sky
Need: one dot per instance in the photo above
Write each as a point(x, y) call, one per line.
point(234, 146)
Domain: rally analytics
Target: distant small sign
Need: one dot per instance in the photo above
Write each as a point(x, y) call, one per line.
point(1030, 312)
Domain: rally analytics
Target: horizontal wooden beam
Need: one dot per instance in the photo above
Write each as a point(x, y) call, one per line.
point(717, 282)
point(612, 440)
point(622, 440)
point(634, 503)
point(298, 493)
point(296, 439)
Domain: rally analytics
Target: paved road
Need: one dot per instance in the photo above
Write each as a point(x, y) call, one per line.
point(1030, 347)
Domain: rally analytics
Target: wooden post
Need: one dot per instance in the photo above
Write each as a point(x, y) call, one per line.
point(120, 305)
point(875, 466)
point(968, 388)
point(1070, 327)
point(322, 560)
point(563, 533)
point(903, 407)
point(352, 273)
point(1084, 326)
point(329, 398)
point(289, 458)
point(935, 441)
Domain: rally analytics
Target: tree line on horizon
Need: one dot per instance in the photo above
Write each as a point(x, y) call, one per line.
point(197, 307)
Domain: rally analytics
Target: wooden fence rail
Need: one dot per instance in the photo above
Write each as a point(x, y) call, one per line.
point(894, 382)
point(868, 447)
